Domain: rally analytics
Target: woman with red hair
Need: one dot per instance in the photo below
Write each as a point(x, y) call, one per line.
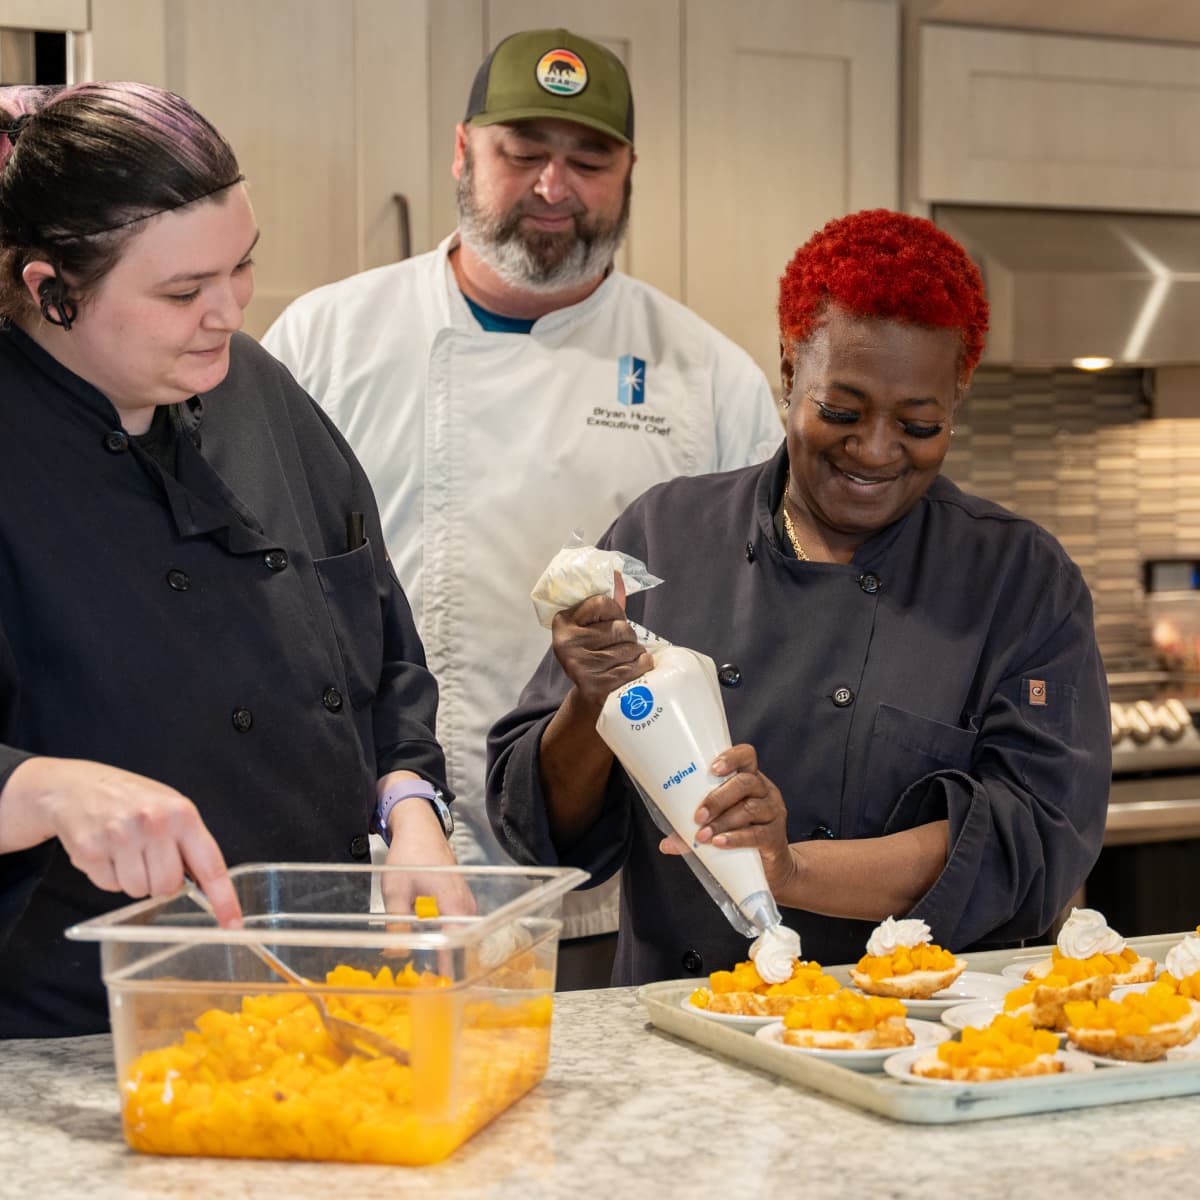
point(910, 673)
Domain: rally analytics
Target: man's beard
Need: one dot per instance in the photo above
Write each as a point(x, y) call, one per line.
point(538, 260)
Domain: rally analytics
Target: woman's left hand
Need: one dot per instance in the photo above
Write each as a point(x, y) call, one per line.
point(746, 810)
point(419, 841)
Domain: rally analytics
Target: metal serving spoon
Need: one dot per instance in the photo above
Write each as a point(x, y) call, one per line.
point(349, 1036)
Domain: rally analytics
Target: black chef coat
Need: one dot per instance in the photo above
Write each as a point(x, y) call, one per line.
point(208, 628)
point(950, 671)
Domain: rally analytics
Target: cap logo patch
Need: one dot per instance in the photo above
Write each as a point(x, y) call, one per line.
point(562, 73)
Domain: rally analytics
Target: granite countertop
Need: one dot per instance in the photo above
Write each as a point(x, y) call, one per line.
point(625, 1109)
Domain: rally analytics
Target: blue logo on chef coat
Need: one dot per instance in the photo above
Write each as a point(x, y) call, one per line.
point(637, 703)
point(631, 380)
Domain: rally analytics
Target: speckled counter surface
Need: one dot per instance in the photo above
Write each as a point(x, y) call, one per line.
point(624, 1110)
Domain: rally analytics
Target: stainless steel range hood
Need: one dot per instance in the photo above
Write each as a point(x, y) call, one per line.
point(1066, 285)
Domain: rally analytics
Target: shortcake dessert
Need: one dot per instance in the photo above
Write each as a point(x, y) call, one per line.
point(1140, 1027)
point(1087, 947)
point(743, 992)
point(902, 961)
point(1181, 972)
point(847, 1020)
point(1042, 1000)
point(1008, 1048)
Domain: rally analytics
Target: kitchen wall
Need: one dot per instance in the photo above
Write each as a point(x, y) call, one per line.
point(1070, 450)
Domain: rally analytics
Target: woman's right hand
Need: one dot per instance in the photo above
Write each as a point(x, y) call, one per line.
point(125, 832)
point(598, 649)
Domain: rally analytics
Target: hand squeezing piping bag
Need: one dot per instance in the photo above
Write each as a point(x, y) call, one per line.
point(665, 728)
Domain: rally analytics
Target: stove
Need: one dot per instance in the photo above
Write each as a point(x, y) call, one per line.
point(1146, 879)
point(1158, 734)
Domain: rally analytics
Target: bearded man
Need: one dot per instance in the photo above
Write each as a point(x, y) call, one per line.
point(510, 387)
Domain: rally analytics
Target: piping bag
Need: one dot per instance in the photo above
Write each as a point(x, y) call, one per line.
point(665, 728)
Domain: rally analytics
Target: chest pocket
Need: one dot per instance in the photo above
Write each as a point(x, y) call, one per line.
point(352, 601)
point(904, 748)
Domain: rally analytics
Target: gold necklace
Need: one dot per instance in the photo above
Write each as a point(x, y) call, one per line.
point(790, 530)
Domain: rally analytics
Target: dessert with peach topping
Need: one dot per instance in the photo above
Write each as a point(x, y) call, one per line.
point(1086, 948)
point(743, 992)
point(1181, 971)
point(847, 1020)
point(1140, 1027)
point(1008, 1048)
point(902, 961)
point(1042, 999)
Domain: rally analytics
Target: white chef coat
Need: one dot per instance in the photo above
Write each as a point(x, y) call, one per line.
point(486, 450)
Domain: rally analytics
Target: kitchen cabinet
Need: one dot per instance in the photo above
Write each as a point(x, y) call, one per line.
point(21, 20)
point(756, 123)
point(335, 109)
point(325, 104)
point(44, 14)
point(791, 118)
point(1046, 120)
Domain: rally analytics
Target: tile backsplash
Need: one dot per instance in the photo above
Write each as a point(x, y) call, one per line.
point(1073, 451)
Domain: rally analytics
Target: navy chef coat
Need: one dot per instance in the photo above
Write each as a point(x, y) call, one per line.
point(949, 671)
point(208, 628)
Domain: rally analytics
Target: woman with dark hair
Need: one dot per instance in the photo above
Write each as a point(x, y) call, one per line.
point(911, 672)
point(204, 654)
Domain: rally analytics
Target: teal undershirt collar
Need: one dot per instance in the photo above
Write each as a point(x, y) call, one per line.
point(495, 322)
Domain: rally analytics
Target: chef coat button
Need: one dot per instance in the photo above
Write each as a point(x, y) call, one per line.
point(179, 580)
point(276, 559)
point(360, 847)
point(729, 675)
point(332, 699)
point(692, 962)
point(749, 551)
point(821, 831)
point(243, 718)
point(116, 441)
point(870, 583)
point(843, 696)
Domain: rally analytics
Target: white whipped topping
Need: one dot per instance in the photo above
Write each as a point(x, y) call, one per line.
point(573, 575)
point(1184, 960)
point(774, 952)
point(1085, 933)
point(891, 934)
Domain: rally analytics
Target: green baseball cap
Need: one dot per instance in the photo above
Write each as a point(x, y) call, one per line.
point(553, 73)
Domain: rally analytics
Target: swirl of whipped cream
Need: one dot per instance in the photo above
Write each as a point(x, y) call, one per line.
point(891, 934)
point(1184, 960)
point(1085, 933)
point(774, 952)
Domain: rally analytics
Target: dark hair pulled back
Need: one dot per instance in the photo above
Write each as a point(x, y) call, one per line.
point(81, 165)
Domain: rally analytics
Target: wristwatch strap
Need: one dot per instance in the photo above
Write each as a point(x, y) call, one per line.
point(403, 791)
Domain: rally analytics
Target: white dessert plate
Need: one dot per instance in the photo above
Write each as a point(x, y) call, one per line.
point(970, 985)
point(1016, 970)
point(977, 1013)
point(1189, 1052)
point(726, 1018)
point(1126, 988)
point(899, 1066)
point(925, 1034)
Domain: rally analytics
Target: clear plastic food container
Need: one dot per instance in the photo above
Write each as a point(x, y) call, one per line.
point(216, 1054)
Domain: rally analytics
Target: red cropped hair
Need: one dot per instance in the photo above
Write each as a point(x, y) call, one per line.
point(879, 263)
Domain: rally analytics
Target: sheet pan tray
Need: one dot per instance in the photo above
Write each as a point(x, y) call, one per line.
point(924, 1105)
